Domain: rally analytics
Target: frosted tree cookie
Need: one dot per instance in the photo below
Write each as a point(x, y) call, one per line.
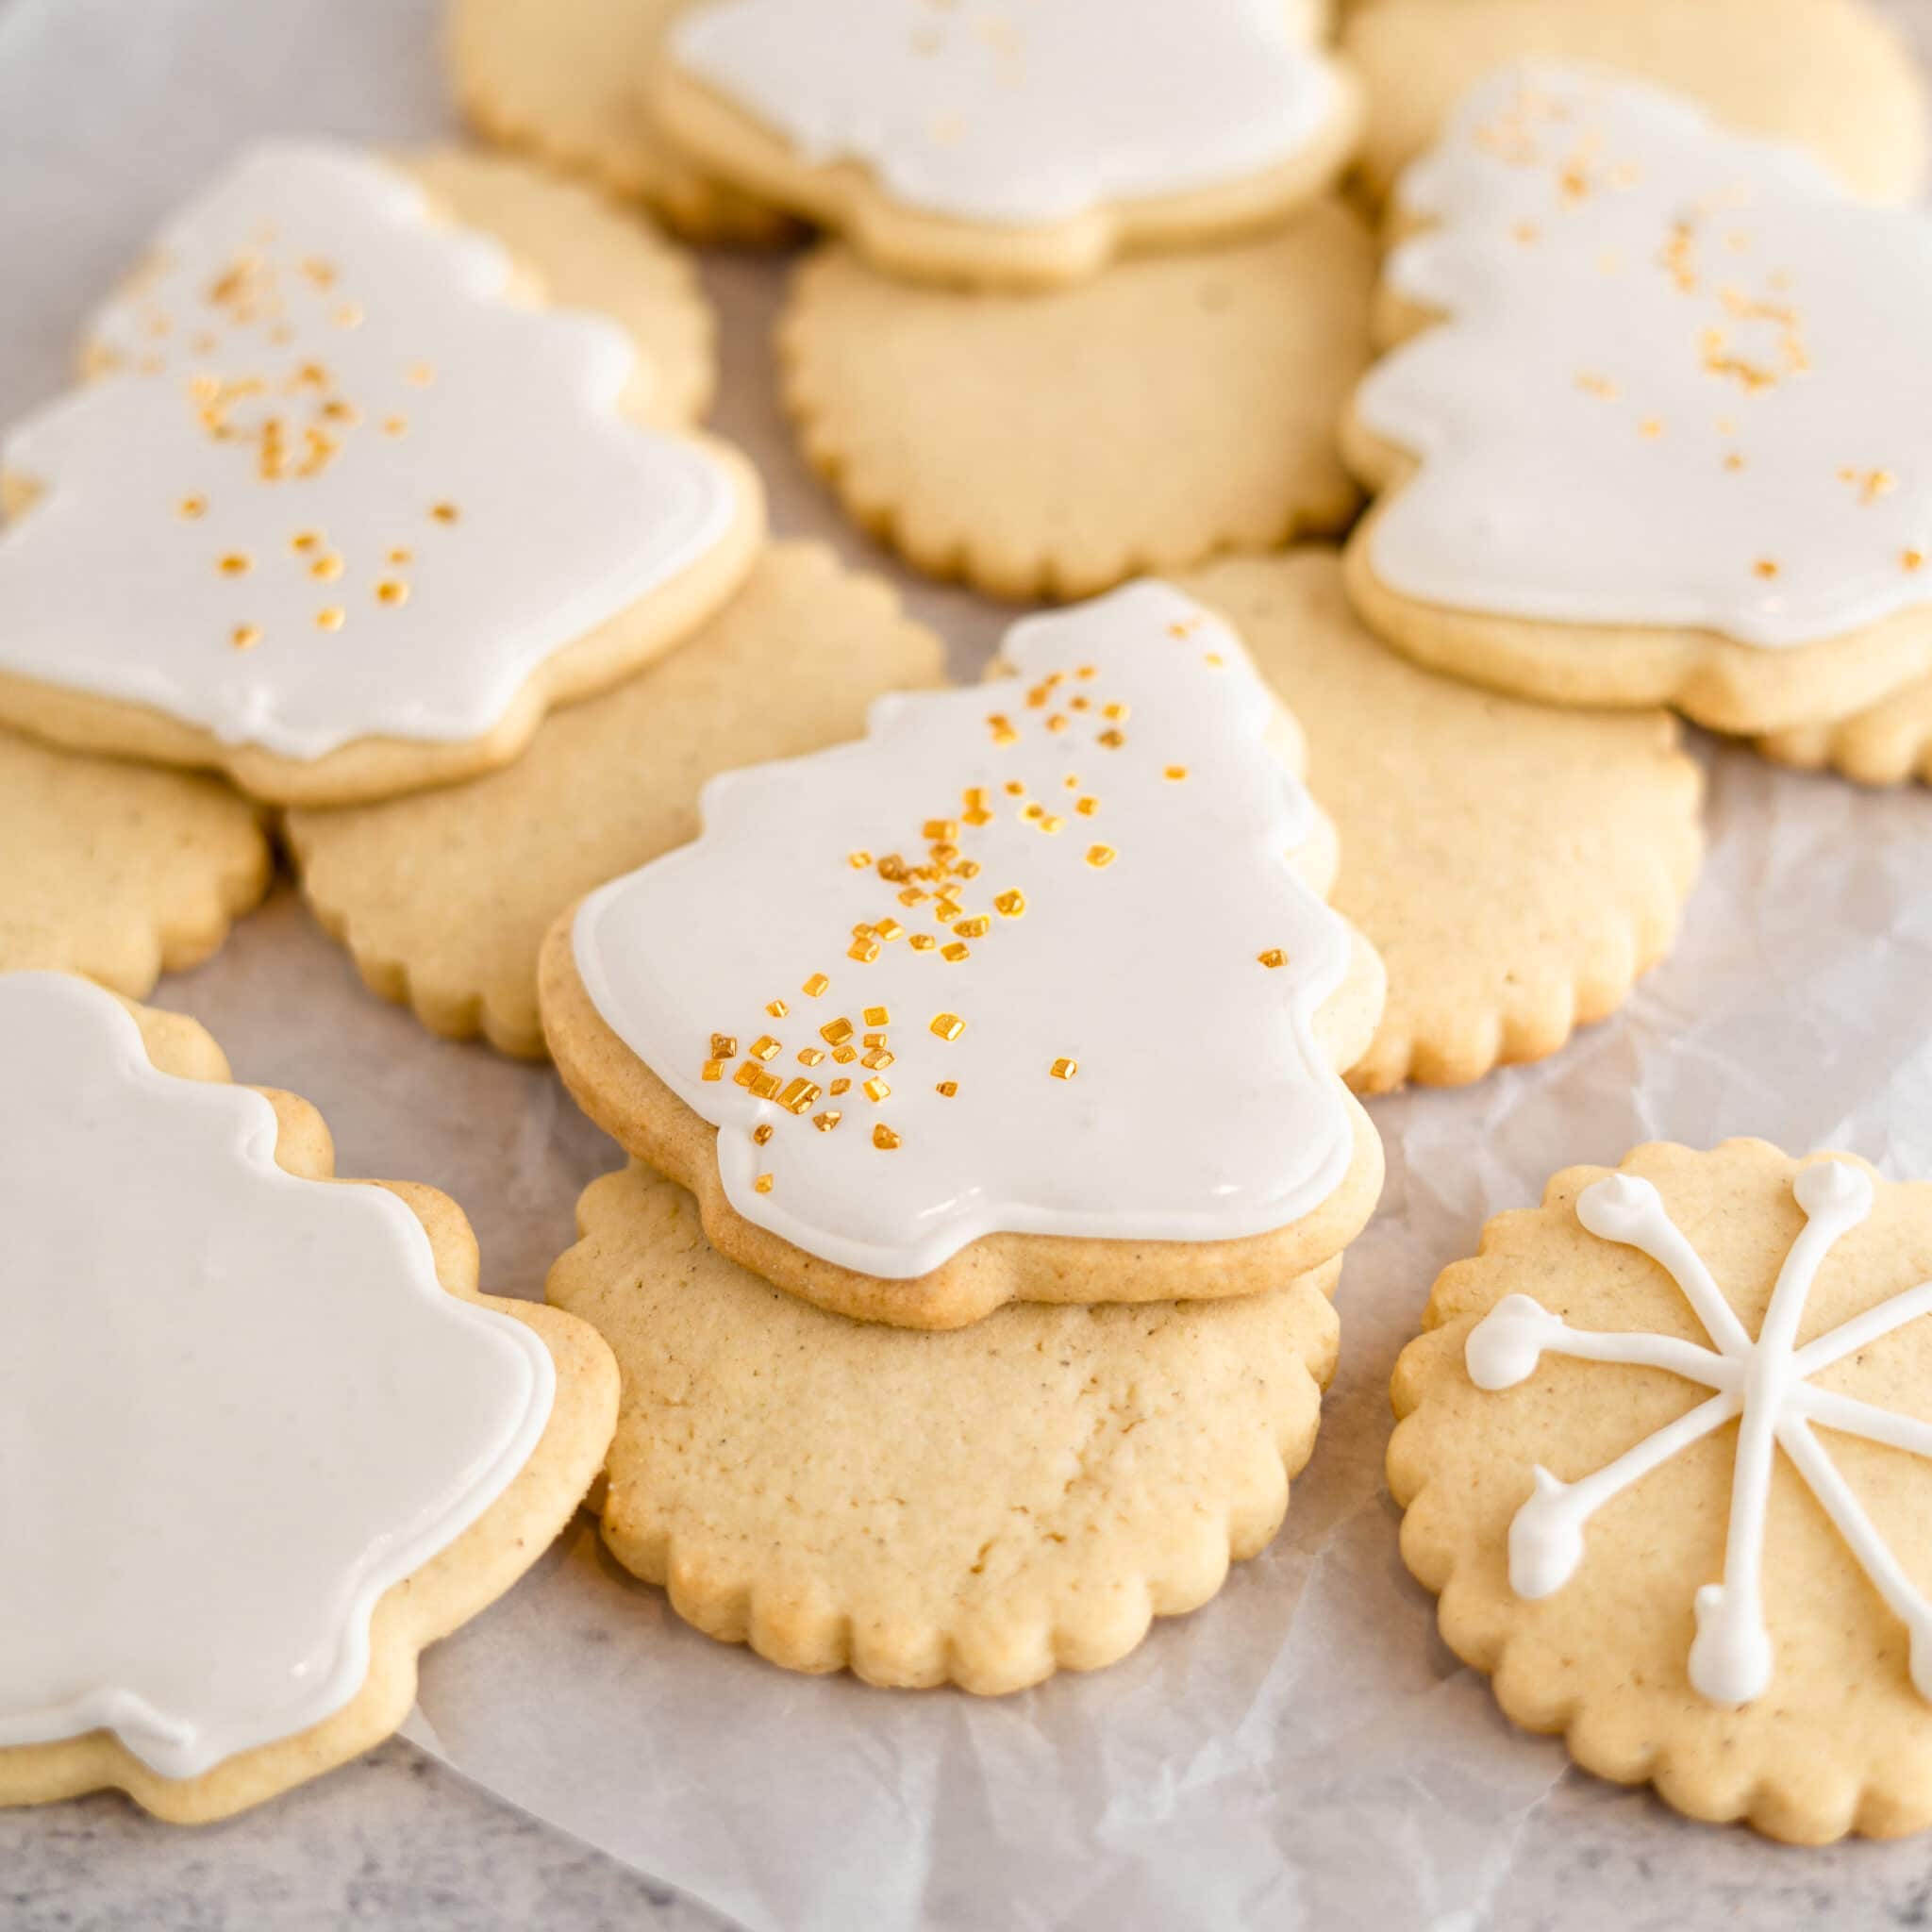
point(1666, 1454)
point(588, 253)
point(565, 79)
point(342, 510)
point(265, 1440)
point(1057, 444)
point(1885, 744)
point(980, 1508)
point(444, 896)
point(1660, 439)
point(1515, 866)
point(1031, 993)
point(1010, 146)
point(118, 871)
point(1832, 75)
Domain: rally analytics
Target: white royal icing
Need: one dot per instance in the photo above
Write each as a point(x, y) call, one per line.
point(1024, 111)
point(340, 397)
point(1766, 1383)
point(1683, 380)
point(235, 1405)
point(1192, 1104)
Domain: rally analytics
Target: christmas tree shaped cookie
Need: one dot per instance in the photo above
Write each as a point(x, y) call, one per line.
point(1667, 1454)
point(1032, 993)
point(265, 1440)
point(343, 508)
point(1661, 435)
point(1023, 146)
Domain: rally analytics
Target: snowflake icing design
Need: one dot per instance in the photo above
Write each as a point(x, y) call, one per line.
point(1766, 1383)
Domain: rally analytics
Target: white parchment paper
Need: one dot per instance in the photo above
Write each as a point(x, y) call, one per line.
point(1301, 1753)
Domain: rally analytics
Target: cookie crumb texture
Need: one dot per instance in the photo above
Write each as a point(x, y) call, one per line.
point(1591, 1521)
point(981, 1507)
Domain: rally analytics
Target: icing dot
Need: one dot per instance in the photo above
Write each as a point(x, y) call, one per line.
point(331, 617)
point(1064, 1069)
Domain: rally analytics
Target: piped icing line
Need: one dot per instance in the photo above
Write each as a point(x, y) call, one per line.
point(1678, 380)
point(236, 1404)
point(1764, 1384)
point(337, 479)
point(1028, 958)
point(1022, 116)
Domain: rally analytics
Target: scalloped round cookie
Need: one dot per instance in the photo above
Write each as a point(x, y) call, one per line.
point(1886, 744)
point(1831, 75)
point(443, 898)
point(979, 1509)
point(565, 79)
point(1019, 150)
point(588, 253)
point(117, 871)
point(1055, 445)
point(255, 1617)
point(1663, 1454)
point(1515, 866)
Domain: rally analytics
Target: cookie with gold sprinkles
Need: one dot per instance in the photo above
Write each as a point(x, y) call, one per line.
point(1655, 434)
point(340, 510)
point(1032, 993)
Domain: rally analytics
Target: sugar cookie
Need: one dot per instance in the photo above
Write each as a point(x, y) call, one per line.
point(588, 253)
point(1031, 993)
point(118, 871)
point(343, 513)
point(1833, 76)
point(1664, 445)
point(978, 1508)
point(974, 144)
point(1515, 866)
point(1664, 1458)
point(564, 79)
point(265, 1440)
point(1885, 744)
point(1059, 444)
point(443, 898)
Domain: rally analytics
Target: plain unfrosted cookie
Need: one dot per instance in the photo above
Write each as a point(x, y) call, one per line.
point(1057, 444)
point(1830, 74)
point(1031, 993)
point(344, 507)
point(980, 1508)
point(1664, 1454)
point(1655, 436)
point(1515, 866)
point(1885, 744)
point(308, 1447)
point(588, 253)
point(990, 146)
point(564, 79)
point(445, 897)
point(118, 871)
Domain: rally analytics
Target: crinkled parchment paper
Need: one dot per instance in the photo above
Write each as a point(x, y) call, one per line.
point(1301, 1753)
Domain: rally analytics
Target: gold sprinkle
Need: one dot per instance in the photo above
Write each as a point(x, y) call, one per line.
point(884, 1139)
point(765, 1048)
point(194, 505)
point(1765, 567)
point(878, 1016)
point(839, 1086)
point(974, 928)
point(948, 1025)
point(724, 1046)
point(814, 987)
point(978, 815)
point(877, 1090)
point(395, 426)
point(1175, 772)
point(946, 1088)
point(1064, 1069)
point(939, 828)
point(1011, 905)
point(922, 942)
point(422, 374)
point(1913, 559)
point(331, 617)
point(875, 1039)
point(762, 1132)
point(392, 590)
point(244, 637)
point(877, 1060)
point(888, 929)
point(810, 1055)
point(714, 1070)
point(1180, 630)
point(305, 540)
point(1051, 824)
point(1057, 721)
point(836, 1032)
point(912, 895)
point(1101, 855)
point(445, 512)
point(1002, 729)
point(327, 568)
point(763, 1184)
point(956, 952)
point(864, 951)
point(800, 1097)
point(234, 564)
point(1734, 461)
point(1115, 739)
point(745, 1074)
point(766, 1085)
point(844, 1056)
point(859, 861)
point(1014, 789)
point(1272, 956)
point(1114, 711)
point(348, 316)
point(1651, 428)
point(825, 1122)
point(776, 1009)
